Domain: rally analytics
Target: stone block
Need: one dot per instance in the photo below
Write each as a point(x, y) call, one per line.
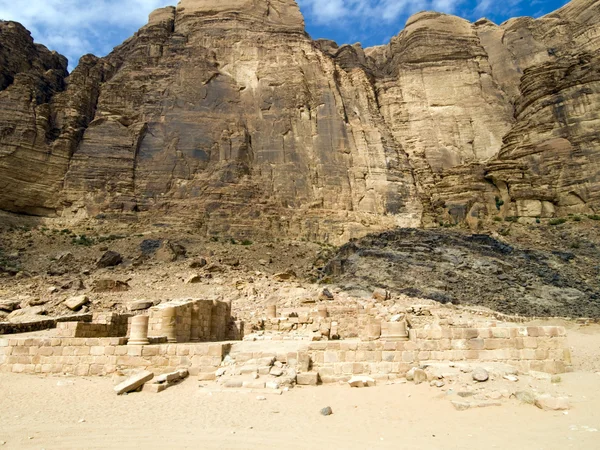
point(154, 388)
point(253, 384)
point(307, 379)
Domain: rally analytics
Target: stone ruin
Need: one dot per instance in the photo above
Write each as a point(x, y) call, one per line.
point(318, 345)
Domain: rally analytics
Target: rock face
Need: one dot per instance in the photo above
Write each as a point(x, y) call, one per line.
point(227, 115)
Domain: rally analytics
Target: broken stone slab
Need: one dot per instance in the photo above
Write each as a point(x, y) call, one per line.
point(172, 376)
point(134, 382)
point(361, 381)
point(233, 384)
point(549, 403)
point(307, 379)
point(463, 406)
point(76, 303)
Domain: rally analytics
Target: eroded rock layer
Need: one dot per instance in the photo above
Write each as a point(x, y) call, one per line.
point(227, 115)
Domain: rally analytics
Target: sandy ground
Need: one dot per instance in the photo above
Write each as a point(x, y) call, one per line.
point(47, 413)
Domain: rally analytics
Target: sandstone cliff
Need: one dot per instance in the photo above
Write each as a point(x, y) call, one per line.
point(227, 115)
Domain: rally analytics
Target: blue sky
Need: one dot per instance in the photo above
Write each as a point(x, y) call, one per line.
point(77, 27)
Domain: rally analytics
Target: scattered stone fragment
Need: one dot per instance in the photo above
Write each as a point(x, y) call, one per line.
point(109, 259)
point(261, 398)
point(76, 303)
point(220, 372)
point(481, 375)
point(462, 406)
point(512, 378)
point(134, 382)
point(327, 411)
point(361, 381)
point(550, 403)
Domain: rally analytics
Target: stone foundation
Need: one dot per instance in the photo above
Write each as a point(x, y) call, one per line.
point(526, 348)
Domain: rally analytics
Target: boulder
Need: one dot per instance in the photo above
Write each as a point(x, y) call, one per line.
point(480, 374)
point(550, 403)
point(9, 305)
point(198, 263)
point(109, 259)
point(76, 303)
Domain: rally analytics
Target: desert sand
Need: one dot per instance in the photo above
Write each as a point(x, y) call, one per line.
point(84, 413)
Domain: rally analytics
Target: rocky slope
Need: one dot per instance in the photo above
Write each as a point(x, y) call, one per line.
point(227, 116)
point(510, 275)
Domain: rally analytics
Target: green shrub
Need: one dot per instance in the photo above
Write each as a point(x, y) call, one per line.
point(82, 240)
point(576, 219)
point(497, 219)
point(594, 217)
point(511, 219)
point(499, 203)
point(247, 242)
point(557, 221)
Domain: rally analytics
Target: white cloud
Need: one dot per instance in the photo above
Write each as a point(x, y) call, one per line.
point(342, 11)
point(75, 27)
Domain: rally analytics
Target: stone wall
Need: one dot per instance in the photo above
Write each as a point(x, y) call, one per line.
point(527, 348)
point(38, 325)
point(104, 356)
point(103, 324)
